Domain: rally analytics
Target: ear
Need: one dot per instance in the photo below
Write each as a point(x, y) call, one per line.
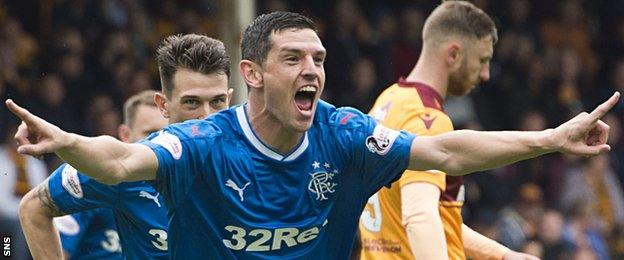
point(161, 102)
point(229, 97)
point(251, 73)
point(454, 54)
point(124, 133)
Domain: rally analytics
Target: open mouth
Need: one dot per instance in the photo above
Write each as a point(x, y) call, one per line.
point(304, 98)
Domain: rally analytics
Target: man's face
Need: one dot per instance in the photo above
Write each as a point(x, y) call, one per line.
point(475, 67)
point(294, 77)
point(196, 95)
point(147, 120)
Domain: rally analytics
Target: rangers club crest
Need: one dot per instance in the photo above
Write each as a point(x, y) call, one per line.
point(321, 182)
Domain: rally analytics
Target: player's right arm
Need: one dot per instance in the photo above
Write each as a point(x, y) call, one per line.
point(36, 214)
point(421, 218)
point(103, 158)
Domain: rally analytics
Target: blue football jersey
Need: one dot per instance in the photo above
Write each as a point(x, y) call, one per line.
point(231, 196)
point(138, 209)
point(90, 234)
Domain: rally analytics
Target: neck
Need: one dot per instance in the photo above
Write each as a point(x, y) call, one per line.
point(269, 129)
point(430, 71)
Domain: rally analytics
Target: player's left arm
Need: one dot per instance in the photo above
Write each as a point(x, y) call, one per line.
point(478, 246)
point(465, 151)
point(36, 213)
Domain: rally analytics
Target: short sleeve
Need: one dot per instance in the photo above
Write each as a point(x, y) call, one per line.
point(380, 154)
point(73, 192)
point(180, 158)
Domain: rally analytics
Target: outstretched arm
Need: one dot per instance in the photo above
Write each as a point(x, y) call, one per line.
point(36, 213)
point(462, 152)
point(103, 158)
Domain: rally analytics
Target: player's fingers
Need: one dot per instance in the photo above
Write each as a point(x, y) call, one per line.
point(34, 150)
point(591, 150)
point(604, 148)
point(603, 108)
point(21, 135)
point(603, 129)
point(598, 149)
point(20, 112)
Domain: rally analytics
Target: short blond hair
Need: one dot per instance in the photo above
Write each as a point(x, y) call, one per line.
point(458, 18)
point(131, 106)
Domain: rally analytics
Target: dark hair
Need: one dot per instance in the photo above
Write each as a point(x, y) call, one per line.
point(459, 18)
point(190, 51)
point(256, 44)
point(145, 98)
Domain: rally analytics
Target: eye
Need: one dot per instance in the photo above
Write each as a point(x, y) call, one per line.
point(192, 103)
point(292, 59)
point(319, 61)
point(217, 102)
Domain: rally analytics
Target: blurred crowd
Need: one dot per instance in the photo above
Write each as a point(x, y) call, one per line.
point(74, 62)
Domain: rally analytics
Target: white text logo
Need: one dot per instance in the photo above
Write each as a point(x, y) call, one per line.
point(267, 239)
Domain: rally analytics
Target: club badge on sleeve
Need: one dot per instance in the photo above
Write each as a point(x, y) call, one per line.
point(169, 142)
point(71, 182)
point(381, 140)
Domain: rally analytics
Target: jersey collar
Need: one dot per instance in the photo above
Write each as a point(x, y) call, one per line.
point(241, 115)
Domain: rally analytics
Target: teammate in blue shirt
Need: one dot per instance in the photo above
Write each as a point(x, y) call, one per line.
point(285, 176)
point(89, 234)
point(194, 72)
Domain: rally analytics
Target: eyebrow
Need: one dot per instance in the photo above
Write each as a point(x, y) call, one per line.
point(220, 96)
point(189, 97)
point(298, 51)
point(223, 95)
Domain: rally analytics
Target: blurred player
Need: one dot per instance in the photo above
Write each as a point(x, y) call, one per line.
point(422, 210)
point(287, 175)
point(89, 234)
point(194, 74)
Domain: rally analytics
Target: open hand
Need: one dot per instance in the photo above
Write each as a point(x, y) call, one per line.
point(36, 136)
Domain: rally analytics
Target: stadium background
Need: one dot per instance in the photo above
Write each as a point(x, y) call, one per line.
point(74, 62)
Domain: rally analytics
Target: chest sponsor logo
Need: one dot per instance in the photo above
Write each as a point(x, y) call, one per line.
point(259, 239)
point(71, 182)
point(381, 140)
point(381, 245)
point(321, 180)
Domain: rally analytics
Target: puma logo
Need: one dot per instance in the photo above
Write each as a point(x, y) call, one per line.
point(145, 194)
point(233, 185)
